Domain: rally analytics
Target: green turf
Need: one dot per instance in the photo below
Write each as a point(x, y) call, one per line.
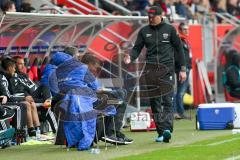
point(184, 134)
point(227, 147)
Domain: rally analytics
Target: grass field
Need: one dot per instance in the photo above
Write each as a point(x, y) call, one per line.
point(226, 148)
point(187, 143)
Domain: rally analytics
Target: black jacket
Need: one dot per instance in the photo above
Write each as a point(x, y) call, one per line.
point(27, 82)
point(19, 84)
point(160, 41)
point(4, 85)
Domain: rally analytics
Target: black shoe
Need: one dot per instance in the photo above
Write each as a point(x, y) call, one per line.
point(113, 140)
point(126, 140)
point(8, 113)
point(110, 139)
point(31, 132)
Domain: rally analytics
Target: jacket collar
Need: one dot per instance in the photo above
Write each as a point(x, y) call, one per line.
point(157, 26)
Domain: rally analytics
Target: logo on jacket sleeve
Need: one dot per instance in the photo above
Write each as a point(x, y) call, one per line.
point(148, 35)
point(165, 35)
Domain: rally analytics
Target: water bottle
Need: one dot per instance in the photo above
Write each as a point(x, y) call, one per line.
point(38, 134)
point(95, 151)
point(27, 138)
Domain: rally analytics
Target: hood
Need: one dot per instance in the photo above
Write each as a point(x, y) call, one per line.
point(59, 57)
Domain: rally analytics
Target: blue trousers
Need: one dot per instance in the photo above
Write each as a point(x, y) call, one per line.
point(178, 106)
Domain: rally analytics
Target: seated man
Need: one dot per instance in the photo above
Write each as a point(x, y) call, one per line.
point(120, 94)
point(40, 94)
point(233, 76)
point(17, 88)
point(20, 119)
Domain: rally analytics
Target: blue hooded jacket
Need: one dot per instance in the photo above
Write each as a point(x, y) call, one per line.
point(74, 80)
point(79, 86)
point(56, 59)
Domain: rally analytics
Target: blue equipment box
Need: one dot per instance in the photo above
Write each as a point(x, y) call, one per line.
point(215, 116)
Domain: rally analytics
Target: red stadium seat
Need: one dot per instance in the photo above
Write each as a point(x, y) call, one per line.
point(35, 69)
point(30, 75)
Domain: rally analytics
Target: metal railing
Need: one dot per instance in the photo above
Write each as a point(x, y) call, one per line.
point(118, 7)
point(227, 18)
point(57, 10)
point(233, 18)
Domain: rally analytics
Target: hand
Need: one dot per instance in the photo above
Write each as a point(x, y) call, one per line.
point(4, 99)
point(99, 90)
point(47, 103)
point(182, 76)
point(127, 59)
point(29, 99)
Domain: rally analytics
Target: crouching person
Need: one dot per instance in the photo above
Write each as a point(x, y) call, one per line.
point(78, 87)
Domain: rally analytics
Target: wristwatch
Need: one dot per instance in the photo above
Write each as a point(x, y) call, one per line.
point(183, 68)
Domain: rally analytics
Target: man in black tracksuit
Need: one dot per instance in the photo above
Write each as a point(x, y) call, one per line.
point(20, 118)
point(161, 40)
point(17, 88)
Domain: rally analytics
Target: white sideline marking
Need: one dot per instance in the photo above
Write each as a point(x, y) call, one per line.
point(221, 142)
point(233, 158)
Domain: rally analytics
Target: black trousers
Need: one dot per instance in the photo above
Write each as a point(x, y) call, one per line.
point(19, 120)
point(162, 107)
point(41, 94)
point(60, 136)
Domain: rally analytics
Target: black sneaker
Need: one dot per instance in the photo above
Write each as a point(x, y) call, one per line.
point(113, 140)
point(124, 138)
point(8, 113)
point(110, 139)
point(31, 132)
point(128, 140)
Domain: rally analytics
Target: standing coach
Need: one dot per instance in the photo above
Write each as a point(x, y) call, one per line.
point(161, 41)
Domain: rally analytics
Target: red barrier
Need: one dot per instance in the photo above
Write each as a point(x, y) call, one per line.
point(195, 40)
